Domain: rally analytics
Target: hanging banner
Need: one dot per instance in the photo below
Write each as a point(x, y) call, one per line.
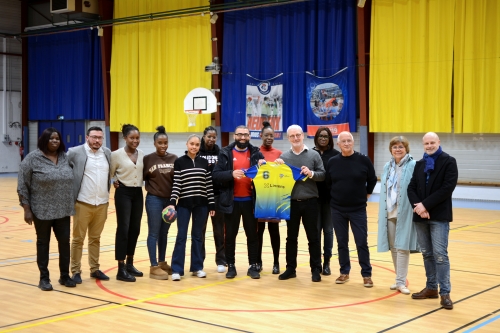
point(264, 102)
point(327, 103)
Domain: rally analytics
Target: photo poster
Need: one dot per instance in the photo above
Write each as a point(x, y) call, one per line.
point(327, 103)
point(264, 102)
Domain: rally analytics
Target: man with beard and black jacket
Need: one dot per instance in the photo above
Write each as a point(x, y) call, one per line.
point(209, 150)
point(235, 198)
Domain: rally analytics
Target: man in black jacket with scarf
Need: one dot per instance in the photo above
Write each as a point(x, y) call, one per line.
point(236, 197)
point(431, 187)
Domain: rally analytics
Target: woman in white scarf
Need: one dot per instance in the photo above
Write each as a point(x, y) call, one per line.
point(396, 231)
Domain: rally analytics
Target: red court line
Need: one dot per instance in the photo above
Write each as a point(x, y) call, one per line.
point(100, 285)
point(6, 219)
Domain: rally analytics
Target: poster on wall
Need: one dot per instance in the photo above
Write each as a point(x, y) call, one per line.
point(264, 102)
point(327, 103)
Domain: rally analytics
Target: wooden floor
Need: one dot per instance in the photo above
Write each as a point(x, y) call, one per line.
point(217, 304)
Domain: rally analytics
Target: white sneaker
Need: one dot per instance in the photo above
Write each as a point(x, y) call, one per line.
point(404, 290)
point(200, 274)
point(221, 269)
point(176, 277)
point(393, 287)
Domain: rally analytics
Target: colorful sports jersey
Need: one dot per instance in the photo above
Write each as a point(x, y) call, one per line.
point(273, 183)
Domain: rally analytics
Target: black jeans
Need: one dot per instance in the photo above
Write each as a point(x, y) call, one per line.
point(242, 209)
point(61, 229)
point(218, 232)
point(359, 227)
point(307, 210)
point(129, 203)
point(274, 233)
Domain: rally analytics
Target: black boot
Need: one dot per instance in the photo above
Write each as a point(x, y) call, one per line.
point(122, 274)
point(131, 269)
point(326, 267)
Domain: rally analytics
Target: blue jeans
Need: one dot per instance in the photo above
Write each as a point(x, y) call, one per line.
point(432, 237)
point(157, 229)
point(359, 226)
point(199, 216)
point(325, 224)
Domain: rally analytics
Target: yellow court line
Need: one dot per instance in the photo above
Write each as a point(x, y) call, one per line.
point(475, 226)
point(107, 308)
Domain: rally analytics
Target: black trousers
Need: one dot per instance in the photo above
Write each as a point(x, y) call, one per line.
point(219, 234)
point(274, 233)
point(307, 210)
point(241, 209)
point(61, 229)
point(129, 204)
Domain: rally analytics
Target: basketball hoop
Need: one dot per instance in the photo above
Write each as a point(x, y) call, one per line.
point(192, 114)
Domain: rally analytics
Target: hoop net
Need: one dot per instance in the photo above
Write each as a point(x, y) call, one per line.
point(192, 114)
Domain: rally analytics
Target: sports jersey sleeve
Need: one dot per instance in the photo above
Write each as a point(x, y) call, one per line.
point(251, 172)
point(296, 173)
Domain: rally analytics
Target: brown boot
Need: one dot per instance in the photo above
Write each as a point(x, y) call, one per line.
point(446, 302)
point(163, 265)
point(155, 272)
point(425, 293)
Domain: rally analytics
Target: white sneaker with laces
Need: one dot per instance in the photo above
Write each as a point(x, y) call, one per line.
point(200, 274)
point(404, 290)
point(221, 269)
point(394, 287)
point(176, 277)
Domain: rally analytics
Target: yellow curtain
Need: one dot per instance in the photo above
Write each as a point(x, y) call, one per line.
point(156, 63)
point(477, 67)
point(411, 63)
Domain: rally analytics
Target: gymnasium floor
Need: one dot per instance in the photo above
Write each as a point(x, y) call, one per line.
point(216, 304)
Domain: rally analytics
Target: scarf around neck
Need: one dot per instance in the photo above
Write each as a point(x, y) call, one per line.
point(431, 159)
point(393, 182)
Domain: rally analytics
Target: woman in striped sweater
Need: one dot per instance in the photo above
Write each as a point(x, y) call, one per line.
point(193, 194)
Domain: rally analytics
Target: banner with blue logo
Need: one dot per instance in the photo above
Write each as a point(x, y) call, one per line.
point(264, 102)
point(329, 103)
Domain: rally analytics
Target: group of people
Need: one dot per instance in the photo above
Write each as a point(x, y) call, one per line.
point(324, 188)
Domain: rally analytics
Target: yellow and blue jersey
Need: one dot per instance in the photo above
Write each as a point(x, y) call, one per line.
point(273, 183)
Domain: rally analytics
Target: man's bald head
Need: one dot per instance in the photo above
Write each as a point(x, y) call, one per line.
point(431, 142)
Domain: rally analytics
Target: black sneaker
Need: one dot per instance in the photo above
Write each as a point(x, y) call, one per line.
point(231, 271)
point(45, 285)
point(316, 277)
point(67, 281)
point(253, 271)
point(99, 275)
point(259, 267)
point(288, 274)
point(276, 268)
point(77, 278)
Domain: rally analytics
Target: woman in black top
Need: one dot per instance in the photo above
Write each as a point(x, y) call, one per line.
point(45, 188)
point(209, 150)
point(323, 142)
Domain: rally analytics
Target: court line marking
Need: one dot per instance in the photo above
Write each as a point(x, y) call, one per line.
point(435, 310)
point(469, 227)
point(53, 315)
point(128, 306)
point(215, 284)
point(116, 306)
point(478, 320)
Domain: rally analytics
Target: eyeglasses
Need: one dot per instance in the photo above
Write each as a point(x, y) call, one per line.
point(242, 135)
point(397, 147)
point(293, 136)
point(98, 138)
point(323, 136)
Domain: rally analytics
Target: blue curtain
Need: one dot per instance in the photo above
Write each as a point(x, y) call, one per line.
point(316, 36)
point(64, 72)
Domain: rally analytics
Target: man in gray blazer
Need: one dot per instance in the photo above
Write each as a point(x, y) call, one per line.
point(91, 184)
